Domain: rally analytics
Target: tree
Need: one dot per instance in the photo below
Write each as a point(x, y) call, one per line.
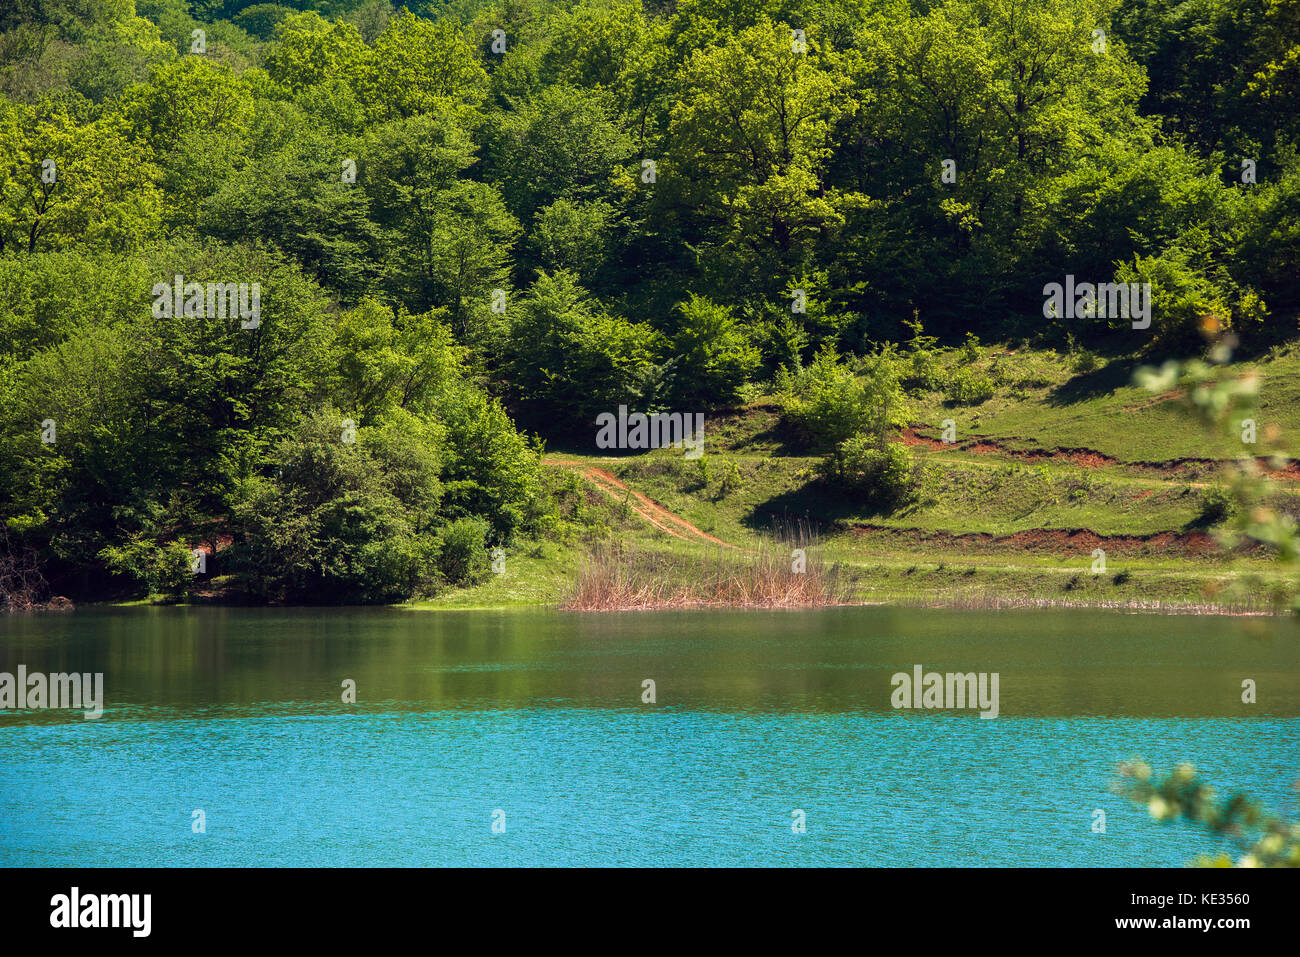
point(416, 65)
point(573, 236)
point(342, 521)
point(448, 240)
point(747, 144)
point(714, 357)
point(297, 200)
point(568, 359)
point(64, 182)
point(563, 144)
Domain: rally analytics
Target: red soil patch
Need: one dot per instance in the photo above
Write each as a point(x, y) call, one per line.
point(1090, 458)
point(1080, 541)
point(909, 437)
point(1157, 400)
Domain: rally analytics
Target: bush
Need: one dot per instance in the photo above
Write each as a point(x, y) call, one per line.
point(462, 554)
point(829, 405)
point(1216, 506)
point(569, 359)
point(967, 386)
point(163, 569)
point(885, 474)
point(924, 372)
point(1190, 299)
point(714, 354)
point(342, 521)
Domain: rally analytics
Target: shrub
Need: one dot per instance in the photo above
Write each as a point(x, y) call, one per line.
point(1216, 506)
point(462, 553)
point(829, 404)
point(967, 386)
point(713, 351)
point(341, 522)
point(885, 474)
point(1190, 298)
point(924, 371)
point(163, 569)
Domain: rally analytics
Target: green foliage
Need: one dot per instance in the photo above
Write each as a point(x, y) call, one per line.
point(1216, 505)
point(491, 470)
point(565, 353)
point(64, 183)
point(164, 569)
point(1263, 839)
point(573, 236)
point(966, 385)
point(339, 521)
point(713, 355)
point(658, 206)
point(828, 404)
point(1185, 303)
point(462, 552)
point(883, 475)
point(560, 144)
point(295, 200)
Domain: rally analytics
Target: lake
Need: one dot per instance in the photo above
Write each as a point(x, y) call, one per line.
point(534, 720)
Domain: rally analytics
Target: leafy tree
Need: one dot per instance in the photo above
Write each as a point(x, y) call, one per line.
point(309, 50)
point(462, 553)
point(564, 144)
point(747, 144)
point(573, 236)
point(714, 357)
point(447, 240)
point(332, 525)
point(386, 360)
point(568, 358)
point(64, 182)
point(296, 199)
point(416, 65)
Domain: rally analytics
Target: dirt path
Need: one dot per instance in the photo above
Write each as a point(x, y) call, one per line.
point(645, 507)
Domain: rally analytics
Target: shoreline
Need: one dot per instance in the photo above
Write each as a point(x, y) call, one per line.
point(1153, 607)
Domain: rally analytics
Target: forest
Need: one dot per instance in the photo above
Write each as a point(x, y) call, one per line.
point(313, 285)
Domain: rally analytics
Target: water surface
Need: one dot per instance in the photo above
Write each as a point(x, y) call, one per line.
point(539, 714)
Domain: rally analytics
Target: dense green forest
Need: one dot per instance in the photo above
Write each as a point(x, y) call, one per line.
point(463, 230)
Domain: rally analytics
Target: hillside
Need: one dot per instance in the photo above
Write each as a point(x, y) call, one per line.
point(1006, 514)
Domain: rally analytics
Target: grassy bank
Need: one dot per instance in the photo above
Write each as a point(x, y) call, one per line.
point(1066, 460)
point(1066, 486)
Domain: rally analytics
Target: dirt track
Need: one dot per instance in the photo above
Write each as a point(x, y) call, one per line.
point(644, 506)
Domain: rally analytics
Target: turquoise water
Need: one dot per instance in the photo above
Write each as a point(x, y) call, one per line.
point(539, 714)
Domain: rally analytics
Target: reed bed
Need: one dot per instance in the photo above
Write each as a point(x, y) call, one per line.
point(620, 577)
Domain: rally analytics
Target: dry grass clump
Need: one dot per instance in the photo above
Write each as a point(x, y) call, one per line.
point(619, 577)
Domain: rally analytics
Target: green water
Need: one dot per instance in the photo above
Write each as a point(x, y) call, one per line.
point(540, 715)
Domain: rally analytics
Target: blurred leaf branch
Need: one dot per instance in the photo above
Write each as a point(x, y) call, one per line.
point(1225, 403)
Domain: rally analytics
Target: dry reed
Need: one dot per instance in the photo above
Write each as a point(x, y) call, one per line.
point(620, 577)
